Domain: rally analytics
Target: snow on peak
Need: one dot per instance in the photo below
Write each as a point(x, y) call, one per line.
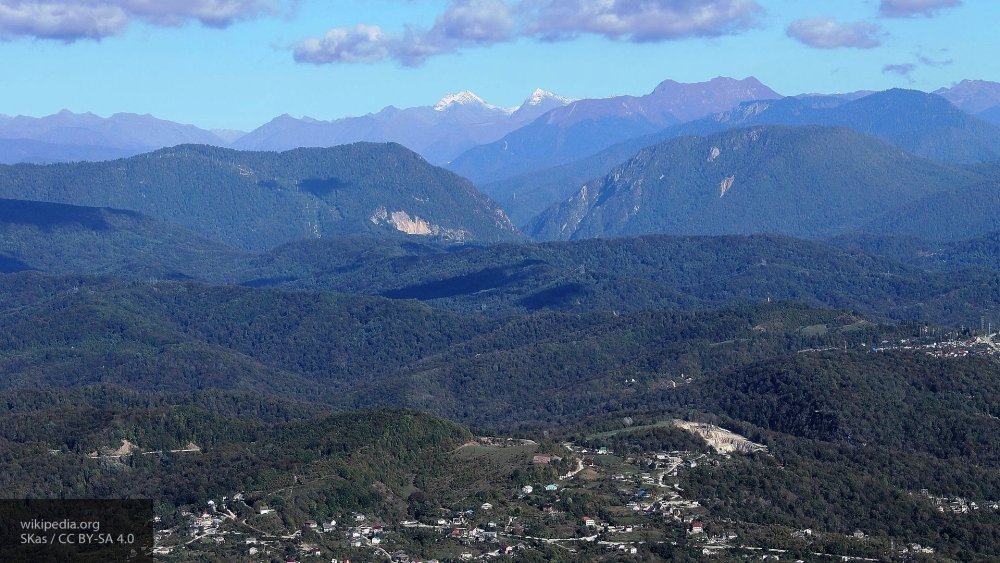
point(539, 96)
point(460, 98)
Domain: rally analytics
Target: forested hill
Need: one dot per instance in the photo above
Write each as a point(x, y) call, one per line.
point(257, 200)
point(355, 351)
point(69, 239)
point(808, 182)
point(633, 274)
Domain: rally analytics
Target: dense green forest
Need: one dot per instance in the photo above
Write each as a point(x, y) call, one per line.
point(251, 377)
point(257, 200)
point(948, 283)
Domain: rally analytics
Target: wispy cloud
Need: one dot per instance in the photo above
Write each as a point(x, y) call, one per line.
point(927, 61)
point(73, 20)
point(911, 8)
point(903, 69)
point(475, 23)
point(828, 33)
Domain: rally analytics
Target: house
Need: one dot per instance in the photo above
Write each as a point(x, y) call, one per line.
point(486, 506)
point(312, 524)
point(544, 459)
point(264, 509)
point(589, 522)
point(697, 528)
point(527, 489)
point(551, 488)
point(329, 526)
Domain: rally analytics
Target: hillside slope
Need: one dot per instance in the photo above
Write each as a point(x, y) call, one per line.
point(68, 239)
point(807, 182)
point(256, 200)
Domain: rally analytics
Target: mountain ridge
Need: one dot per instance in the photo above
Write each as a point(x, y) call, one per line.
point(255, 200)
point(807, 181)
point(586, 126)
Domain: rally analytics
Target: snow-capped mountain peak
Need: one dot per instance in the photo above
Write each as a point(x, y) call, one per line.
point(539, 96)
point(463, 98)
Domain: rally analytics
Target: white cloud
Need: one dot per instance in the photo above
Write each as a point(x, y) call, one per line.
point(72, 20)
point(640, 20)
point(828, 33)
point(472, 23)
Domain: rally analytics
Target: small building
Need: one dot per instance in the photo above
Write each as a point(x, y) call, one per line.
point(486, 506)
point(590, 522)
point(551, 488)
point(697, 527)
point(527, 489)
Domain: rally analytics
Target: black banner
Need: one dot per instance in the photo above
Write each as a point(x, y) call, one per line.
point(76, 530)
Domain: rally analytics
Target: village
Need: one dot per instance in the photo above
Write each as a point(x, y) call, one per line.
point(648, 506)
point(640, 502)
point(947, 346)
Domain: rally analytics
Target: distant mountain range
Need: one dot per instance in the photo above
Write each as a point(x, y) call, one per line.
point(439, 133)
point(72, 136)
point(978, 97)
point(924, 124)
point(257, 200)
point(457, 124)
point(805, 181)
point(587, 126)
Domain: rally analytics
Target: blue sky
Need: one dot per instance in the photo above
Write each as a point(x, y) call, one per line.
point(239, 63)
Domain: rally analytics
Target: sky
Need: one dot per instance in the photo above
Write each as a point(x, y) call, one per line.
point(236, 64)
